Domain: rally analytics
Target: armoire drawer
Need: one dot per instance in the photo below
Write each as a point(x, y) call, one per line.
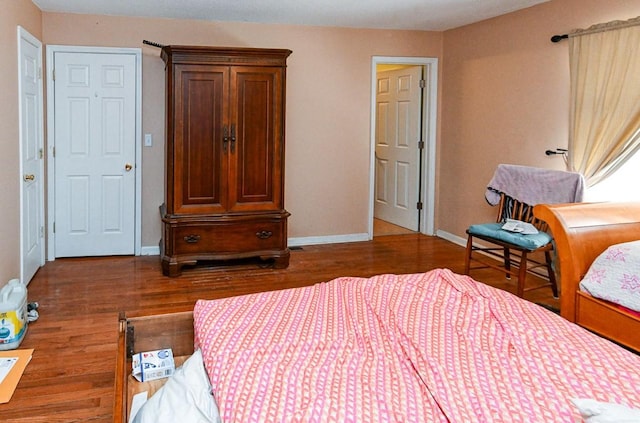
point(229, 238)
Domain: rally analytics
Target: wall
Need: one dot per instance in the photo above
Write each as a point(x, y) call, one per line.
point(25, 14)
point(505, 99)
point(328, 105)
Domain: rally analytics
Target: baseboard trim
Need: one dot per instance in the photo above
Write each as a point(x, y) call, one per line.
point(150, 251)
point(330, 239)
point(451, 237)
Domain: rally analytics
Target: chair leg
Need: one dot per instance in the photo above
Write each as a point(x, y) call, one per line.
point(522, 274)
point(467, 257)
point(552, 274)
point(507, 263)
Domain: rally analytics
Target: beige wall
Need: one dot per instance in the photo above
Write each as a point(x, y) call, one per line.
point(505, 99)
point(328, 105)
point(25, 14)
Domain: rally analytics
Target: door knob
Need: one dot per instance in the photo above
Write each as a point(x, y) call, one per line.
point(128, 167)
point(29, 177)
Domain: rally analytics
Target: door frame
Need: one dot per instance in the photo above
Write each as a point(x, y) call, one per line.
point(429, 119)
point(51, 142)
point(23, 34)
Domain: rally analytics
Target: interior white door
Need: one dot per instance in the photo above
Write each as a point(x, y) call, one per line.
point(32, 154)
point(398, 127)
point(95, 126)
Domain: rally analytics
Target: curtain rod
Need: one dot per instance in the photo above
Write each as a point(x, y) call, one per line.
point(558, 38)
point(151, 43)
point(598, 28)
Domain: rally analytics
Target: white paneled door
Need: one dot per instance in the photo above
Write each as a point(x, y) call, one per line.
point(95, 153)
point(398, 131)
point(31, 153)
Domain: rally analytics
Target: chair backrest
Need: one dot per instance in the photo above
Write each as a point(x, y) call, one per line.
point(510, 208)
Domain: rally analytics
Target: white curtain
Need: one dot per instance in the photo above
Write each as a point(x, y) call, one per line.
point(605, 98)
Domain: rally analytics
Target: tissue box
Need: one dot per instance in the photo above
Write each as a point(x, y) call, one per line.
point(153, 365)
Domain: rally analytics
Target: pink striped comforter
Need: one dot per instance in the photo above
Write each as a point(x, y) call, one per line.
point(433, 347)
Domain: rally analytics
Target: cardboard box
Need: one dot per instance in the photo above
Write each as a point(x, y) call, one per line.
point(153, 365)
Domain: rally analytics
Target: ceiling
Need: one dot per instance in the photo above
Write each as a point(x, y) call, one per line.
point(432, 15)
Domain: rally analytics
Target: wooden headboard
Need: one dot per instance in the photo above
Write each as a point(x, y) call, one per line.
point(581, 232)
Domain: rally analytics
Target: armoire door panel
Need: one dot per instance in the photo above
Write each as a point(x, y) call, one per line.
point(256, 163)
point(200, 171)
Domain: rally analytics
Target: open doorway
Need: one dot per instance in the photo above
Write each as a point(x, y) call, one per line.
point(403, 114)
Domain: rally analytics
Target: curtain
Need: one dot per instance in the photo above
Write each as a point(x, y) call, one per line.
point(605, 98)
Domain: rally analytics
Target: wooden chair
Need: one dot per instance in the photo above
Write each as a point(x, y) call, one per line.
point(503, 243)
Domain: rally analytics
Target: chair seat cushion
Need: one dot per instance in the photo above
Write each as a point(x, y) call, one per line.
point(495, 231)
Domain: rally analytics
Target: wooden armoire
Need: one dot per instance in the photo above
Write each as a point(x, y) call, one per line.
point(224, 170)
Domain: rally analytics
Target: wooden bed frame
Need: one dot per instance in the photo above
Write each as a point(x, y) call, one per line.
point(148, 333)
point(581, 232)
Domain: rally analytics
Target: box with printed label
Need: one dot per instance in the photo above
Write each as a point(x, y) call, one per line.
point(153, 365)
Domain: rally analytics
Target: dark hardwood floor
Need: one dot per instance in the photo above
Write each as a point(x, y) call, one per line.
point(71, 375)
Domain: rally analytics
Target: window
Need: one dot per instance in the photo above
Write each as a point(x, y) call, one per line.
point(621, 186)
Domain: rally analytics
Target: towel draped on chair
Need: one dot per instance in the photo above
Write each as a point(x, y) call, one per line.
point(551, 186)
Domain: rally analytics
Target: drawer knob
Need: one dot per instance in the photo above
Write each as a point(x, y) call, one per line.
point(264, 234)
point(192, 239)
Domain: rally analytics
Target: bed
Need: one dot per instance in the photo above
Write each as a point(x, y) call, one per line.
point(582, 232)
point(435, 346)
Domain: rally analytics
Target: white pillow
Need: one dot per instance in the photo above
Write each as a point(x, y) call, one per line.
point(593, 411)
point(185, 397)
point(615, 275)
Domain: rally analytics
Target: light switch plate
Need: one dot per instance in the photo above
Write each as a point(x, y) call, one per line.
point(148, 140)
